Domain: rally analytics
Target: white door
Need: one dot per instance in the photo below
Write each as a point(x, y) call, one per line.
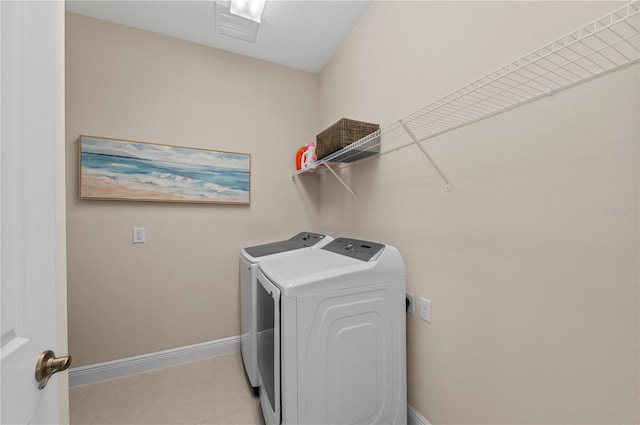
point(27, 207)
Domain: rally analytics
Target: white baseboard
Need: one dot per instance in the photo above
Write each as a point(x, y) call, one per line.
point(414, 417)
point(91, 374)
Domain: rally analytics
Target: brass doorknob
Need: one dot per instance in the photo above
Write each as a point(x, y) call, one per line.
point(48, 364)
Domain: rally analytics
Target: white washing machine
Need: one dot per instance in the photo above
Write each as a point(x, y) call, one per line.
point(331, 336)
point(249, 259)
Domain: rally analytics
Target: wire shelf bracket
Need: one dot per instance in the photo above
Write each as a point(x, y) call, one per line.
point(416, 141)
point(346, 186)
point(321, 165)
point(599, 47)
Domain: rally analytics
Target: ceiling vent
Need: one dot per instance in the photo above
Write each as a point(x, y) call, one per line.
point(234, 26)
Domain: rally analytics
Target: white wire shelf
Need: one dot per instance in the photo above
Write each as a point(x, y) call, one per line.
point(596, 48)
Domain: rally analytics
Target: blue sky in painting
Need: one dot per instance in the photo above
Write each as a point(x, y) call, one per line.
point(173, 154)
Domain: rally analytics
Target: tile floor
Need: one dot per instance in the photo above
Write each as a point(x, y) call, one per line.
point(211, 391)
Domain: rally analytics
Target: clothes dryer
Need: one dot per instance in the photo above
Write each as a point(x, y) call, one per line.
point(331, 336)
point(249, 259)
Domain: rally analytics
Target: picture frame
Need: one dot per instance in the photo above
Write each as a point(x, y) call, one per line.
point(126, 170)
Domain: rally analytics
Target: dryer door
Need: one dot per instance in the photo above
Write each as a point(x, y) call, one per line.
point(248, 345)
point(268, 326)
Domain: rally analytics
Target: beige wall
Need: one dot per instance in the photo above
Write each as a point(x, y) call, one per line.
point(181, 286)
point(530, 264)
point(532, 273)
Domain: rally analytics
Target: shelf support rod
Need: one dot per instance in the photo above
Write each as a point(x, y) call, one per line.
point(426, 154)
point(341, 181)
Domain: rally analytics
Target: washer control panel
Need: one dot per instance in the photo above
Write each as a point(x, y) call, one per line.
point(355, 248)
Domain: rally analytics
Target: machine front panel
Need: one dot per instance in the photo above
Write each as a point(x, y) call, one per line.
point(352, 357)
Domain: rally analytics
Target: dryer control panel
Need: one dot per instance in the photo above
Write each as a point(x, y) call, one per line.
point(354, 248)
point(301, 240)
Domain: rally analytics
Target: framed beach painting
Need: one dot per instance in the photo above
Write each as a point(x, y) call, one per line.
point(112, 169)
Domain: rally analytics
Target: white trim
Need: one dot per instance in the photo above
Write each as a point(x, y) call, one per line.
point(414, 417)
point(91, 374)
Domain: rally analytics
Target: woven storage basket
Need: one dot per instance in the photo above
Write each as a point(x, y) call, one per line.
point(342, 134)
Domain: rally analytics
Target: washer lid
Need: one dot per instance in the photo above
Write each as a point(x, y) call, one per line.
point(301, 240)
point(316, 265)
point(321, 270)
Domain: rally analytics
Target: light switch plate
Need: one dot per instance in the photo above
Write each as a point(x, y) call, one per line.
point(138, 235)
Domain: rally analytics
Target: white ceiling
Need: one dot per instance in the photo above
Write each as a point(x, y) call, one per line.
point(301, 34)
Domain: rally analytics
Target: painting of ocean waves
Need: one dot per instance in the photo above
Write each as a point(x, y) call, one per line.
point(117, 169)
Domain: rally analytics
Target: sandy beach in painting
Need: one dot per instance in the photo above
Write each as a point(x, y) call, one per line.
point(105, 188)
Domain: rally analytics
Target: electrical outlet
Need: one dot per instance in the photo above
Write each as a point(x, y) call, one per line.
point(138, 235)
point(411, 308)
point(425, 310)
